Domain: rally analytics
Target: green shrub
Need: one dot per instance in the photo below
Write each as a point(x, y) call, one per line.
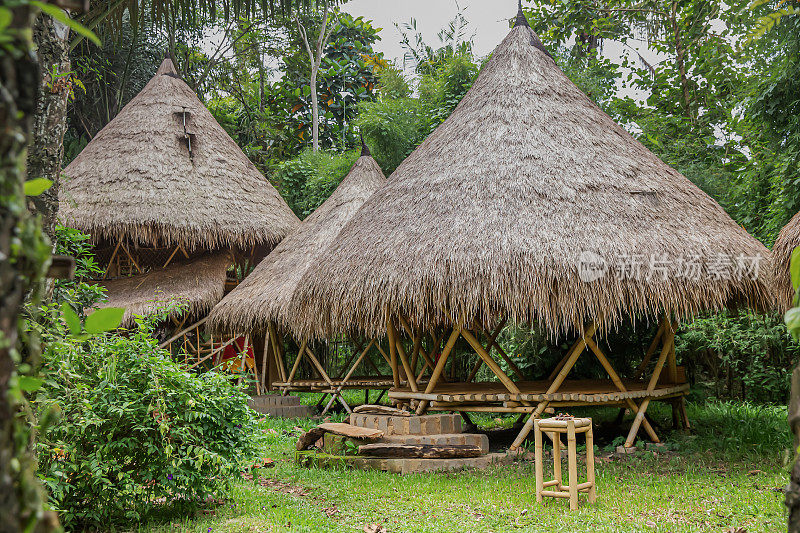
point(133, 430)
point(310, 178)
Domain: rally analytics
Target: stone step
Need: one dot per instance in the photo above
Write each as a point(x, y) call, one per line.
point(475, 439)
point(415, 466)
point(409, 425)
point(273, 400)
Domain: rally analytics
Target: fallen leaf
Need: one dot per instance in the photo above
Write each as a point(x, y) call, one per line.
point(755, 472)
point(650, 523)
point(331, 511)
point(375, 528)
point(737, 529)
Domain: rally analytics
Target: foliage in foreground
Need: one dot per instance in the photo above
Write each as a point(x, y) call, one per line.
point(134, 430)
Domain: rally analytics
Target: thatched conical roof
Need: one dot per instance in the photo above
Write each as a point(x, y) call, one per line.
point(267, 293)
point(199, 284)
point(494, 212)
point(138, 177)
point(788, 239)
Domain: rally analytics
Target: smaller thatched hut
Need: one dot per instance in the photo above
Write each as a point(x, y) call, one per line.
point(165, 173)
point(788, 239)
point(262, 302)
point(173, 205)
point(196, 285)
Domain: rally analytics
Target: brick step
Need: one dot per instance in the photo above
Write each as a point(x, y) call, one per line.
point(289, 411)
point(409, 425)
point(475, 439)
point(415, 466)
point(274, 400)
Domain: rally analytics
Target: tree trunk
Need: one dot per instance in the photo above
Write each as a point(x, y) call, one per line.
point(50, 117)
point(793, 490)
point(21, 495)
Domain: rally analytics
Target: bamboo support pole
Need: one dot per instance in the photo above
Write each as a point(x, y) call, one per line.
point(125, 249)
point(425, 355)
point(637, 374)
point(637, 421)
point(179, 334)
point(401, 352)
point(537, 451)
point(439, 368)
point(243, 354)
point(111, 261)
point(618, 383)
point(390, 333)
point(572, 356)
point(297, 361)
point(491, 363)
point(213, 353)
point(267, 352)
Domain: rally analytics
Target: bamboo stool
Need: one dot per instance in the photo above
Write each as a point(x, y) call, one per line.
point(555, 427)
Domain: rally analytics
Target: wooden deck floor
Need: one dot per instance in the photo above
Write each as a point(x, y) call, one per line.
point(585, 391)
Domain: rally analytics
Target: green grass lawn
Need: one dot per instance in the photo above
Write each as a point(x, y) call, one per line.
point(728, 475)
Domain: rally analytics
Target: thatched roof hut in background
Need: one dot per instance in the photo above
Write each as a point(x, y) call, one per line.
point(267, 293)
point(164, 173)
point(496, 212)
point(788, 239)
point(197, 284)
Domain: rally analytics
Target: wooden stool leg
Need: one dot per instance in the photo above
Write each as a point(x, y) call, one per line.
point(538, 459)
point(592, 497)
point(557, 461)
point(573, 466)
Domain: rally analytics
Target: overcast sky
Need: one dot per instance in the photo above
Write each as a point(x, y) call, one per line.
point(488, 20)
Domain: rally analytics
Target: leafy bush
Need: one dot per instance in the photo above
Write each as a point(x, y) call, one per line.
point(309, 179)
point(750, 355)
point(134, 430)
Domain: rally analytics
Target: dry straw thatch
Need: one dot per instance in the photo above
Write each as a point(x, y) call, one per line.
point(491, 214)
point(788, 239)
point(138, 178)
point(199, 284)
point(267, 293)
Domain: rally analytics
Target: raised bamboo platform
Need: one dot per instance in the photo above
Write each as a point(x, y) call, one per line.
point(493, 396)
point(318, 385)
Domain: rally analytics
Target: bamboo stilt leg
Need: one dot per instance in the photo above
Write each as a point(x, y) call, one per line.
point(111, 261)
point(572, 356)
point(297, 362)
point(390, 333)
point(637, 374)
point(437, 371)
point(267, 352)
point(401, 352)
point(425, 355)
point(620, 386)
point(637, 421)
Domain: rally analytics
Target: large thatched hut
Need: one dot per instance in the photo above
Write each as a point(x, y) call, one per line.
point(263, 301)
point(174, 208)
point(788, 239)
point(530, 204)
